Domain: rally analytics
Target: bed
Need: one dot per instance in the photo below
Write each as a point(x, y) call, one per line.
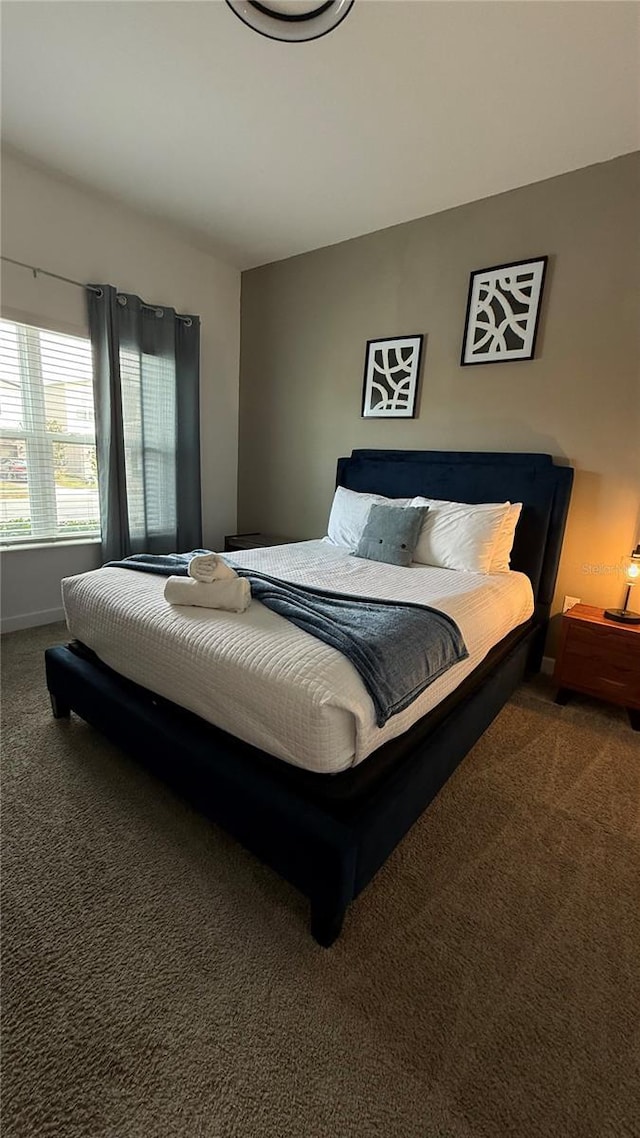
point(325, 799)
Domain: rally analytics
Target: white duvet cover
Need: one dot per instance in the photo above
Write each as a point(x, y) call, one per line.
point(262, 679)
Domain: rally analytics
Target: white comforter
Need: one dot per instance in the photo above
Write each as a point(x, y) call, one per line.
point(262, 679)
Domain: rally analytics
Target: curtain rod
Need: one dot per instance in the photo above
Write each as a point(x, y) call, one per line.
point(45, 273)
point(91, 288)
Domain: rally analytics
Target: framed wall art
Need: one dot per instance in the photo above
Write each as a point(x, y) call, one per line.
point(391, 373)
point(502, 312)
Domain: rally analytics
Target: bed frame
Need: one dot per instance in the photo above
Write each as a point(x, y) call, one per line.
point(329, 834)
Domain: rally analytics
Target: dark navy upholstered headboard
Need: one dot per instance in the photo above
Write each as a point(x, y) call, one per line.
point(468, 476)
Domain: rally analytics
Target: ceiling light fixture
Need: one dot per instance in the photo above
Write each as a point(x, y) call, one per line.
point(291, 20)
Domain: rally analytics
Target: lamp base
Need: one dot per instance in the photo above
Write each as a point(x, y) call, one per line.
point(623, 616)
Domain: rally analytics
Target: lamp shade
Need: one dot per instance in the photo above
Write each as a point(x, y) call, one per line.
point(633, 567)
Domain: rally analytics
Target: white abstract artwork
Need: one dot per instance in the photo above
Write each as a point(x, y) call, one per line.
point(502, 312)
point(391, 371)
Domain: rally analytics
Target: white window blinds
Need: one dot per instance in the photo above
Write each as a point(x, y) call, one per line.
point(48, 477)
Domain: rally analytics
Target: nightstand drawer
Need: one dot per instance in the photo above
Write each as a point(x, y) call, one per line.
point(602, 662)
point(584, 639)
point(602, 676)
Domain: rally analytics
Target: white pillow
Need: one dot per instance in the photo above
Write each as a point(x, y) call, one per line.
point(349, 513)
point(504, 543)
point(456, 535)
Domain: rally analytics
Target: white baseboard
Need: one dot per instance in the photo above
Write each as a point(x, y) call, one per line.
point(31, 619)
point(548, 664)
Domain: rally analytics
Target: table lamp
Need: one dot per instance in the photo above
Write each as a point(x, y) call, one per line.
point(625, 615)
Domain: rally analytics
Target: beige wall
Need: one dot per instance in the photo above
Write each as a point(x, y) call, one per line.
point(305, 322)
point(51, 222)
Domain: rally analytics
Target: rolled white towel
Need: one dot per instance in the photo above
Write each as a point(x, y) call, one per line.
point(232, 596)
point(210, 567)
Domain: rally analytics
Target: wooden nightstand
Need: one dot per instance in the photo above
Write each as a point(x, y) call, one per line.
point(238, 541)
point(599, 658)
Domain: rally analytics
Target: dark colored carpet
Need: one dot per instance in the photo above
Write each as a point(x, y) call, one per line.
point(159, 982)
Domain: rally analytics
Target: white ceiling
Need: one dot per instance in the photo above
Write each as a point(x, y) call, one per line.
point(268, 149)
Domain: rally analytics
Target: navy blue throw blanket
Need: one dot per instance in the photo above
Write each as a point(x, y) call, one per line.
point(162, 564)
point(397, 648)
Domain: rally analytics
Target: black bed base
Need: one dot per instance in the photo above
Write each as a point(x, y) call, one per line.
point(327, 845)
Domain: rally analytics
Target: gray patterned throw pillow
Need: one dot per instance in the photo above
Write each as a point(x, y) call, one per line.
point(391, 533)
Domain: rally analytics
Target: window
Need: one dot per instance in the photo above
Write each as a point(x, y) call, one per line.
point(148, 387)
point(48, 474)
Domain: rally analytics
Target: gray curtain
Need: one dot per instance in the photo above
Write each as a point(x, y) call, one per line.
point(146, 376)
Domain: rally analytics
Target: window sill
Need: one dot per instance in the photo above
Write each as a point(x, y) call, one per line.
point(50, 544)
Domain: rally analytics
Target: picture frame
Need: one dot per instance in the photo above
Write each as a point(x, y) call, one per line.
point(503, 312)
point(391, 377)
